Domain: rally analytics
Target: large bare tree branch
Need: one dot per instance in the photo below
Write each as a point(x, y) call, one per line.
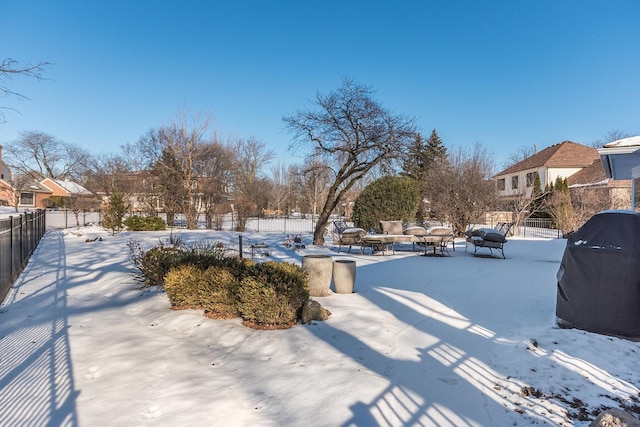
point(354, 133)
point(9, 69)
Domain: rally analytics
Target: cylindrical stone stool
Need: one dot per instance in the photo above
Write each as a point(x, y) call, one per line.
point(344, 276)
point(319, 270)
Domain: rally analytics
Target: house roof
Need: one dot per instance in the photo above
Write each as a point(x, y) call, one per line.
point(594, 175)
point(620, 157)
point(73, 188)
point(34, 187)
point(70, 187)
point(566, 154)
point(632, 141)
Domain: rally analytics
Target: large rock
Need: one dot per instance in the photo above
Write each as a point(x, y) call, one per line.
point(314, 311)
point(615, 418)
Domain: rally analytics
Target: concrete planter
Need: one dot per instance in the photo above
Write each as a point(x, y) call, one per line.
point(319, 269)
point(344, 276)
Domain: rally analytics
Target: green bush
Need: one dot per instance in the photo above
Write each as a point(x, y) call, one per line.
point(388, 198)
point(273, 294)
point(181, 284)
point(155, 263)
point(215, 290)
point(205, 254)
point(266, 295)
point(144, 223)
point(219, 293)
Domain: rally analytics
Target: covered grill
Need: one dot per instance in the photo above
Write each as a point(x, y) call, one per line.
point(599, 277)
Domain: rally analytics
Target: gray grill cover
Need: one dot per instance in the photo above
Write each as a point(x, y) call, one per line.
point(599, 277)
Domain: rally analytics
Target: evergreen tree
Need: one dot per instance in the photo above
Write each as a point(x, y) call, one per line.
point(419, 158)
point(538, 203)
point(388, 198)
point(561, 208)
point(114, 212)
point(435, 148)
point(415, 160)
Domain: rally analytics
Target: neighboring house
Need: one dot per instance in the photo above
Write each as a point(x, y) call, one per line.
point(38, 194)
point(560, 160)
point(144, 194)
point(615, 193)
point(34, 195)
point(7, 193)
point(621, 161)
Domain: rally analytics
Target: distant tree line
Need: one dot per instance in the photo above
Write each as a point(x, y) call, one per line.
point(347, 138)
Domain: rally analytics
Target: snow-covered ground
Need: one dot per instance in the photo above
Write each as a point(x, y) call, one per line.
point(442, 341)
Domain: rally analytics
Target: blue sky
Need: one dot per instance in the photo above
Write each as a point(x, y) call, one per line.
point(502, 73)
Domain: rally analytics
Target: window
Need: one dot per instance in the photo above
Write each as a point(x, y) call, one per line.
point(26, 199)
point(531, 177)
point(501, 184)
point(514, 182)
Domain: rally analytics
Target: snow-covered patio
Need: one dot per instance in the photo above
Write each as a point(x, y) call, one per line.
point(447, 341)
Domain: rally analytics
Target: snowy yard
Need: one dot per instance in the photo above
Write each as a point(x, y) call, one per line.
point(446, 341)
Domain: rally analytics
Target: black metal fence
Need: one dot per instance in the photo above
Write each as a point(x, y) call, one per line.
point(19, 236)
point(540, 227)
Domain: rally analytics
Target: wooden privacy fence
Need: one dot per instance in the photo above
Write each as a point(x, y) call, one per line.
point(19, 236)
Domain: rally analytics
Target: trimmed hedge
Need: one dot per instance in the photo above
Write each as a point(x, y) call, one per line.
point(144, 223)
point(266, 295)
point(214, 289)
point(273, 294)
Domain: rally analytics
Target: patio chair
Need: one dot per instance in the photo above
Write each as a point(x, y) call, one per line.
point(490, 238)
point(349, 236)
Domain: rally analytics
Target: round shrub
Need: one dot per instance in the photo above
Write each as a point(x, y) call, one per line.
point(261, 304)
point(218, 293)
point(215, 290)
point(182, 286)
point(388, 198)
point(273, 293)
point(156, 263)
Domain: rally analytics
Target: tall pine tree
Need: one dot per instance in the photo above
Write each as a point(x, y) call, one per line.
point(419, 158)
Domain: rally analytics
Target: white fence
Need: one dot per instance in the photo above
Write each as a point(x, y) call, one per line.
point(66, 219)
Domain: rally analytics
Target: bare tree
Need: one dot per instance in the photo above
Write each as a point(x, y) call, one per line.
point(9, 69)
point(521, 153)
point(12, 191)
point(214, 171)
point(588, 201)
point(108, 172)
point(251, 156)
point(40, 155)
point(354, 134)
point(526, 202)
point(316, 177)
point(173, 153)
point(460, 189)
point(280, 190)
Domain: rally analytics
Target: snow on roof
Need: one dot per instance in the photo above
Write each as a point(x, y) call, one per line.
point(72, 187)
point(624, 142)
